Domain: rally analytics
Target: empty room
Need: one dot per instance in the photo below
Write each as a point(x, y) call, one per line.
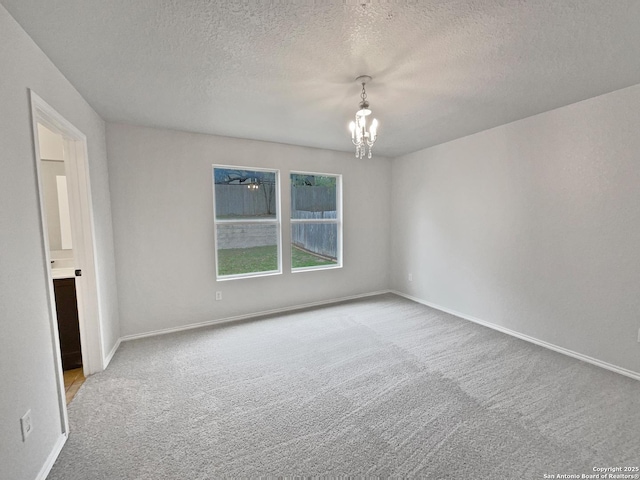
point(320, 239)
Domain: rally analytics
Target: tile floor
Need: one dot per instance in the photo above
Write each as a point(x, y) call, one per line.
point(73, 380)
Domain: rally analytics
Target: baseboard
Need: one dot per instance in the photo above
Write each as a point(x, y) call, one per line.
point(51, 459)
point(109, 357)
point(247, 316)
point(527, 338)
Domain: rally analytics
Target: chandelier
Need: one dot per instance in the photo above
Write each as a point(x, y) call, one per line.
point(362, 138)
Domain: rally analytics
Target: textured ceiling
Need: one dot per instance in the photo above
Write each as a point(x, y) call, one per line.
point(283, 71)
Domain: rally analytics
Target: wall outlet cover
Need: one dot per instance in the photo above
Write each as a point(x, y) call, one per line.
point(25, 425)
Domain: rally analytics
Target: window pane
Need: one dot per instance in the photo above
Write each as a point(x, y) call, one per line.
point(244, 194)
point(313, 196)
point(247, 248)
point(314, 244)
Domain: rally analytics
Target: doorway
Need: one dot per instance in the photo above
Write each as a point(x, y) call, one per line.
point(55, 198)
point(68, 244)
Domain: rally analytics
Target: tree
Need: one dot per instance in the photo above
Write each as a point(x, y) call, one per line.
point(302, 180)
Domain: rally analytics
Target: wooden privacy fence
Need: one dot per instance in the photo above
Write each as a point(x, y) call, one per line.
point(319, 238)
point(313, 199)
point(308, 202)
point(311, 202)
point(240, 201)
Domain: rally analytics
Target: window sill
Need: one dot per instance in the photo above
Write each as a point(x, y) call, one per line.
point(315, 269)
point(248, 275)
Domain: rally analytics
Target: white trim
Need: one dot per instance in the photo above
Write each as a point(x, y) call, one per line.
point(51, 459)
point(263, 313)
point(53, 323)
point(316, 220)
point(110, 355)
point(237, 276)
point(338, 221)
point(314, 269)
point(255, 221)
point(277, 222)
point(317, 174)
point(83, 231)
point(527, 338)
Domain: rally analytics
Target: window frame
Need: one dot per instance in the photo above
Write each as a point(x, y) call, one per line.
point(338, 221)
point(277, 222)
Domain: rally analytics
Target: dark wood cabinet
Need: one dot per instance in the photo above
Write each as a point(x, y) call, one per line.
point(68, 324)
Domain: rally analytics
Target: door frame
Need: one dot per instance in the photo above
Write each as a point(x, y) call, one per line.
point(83, 239)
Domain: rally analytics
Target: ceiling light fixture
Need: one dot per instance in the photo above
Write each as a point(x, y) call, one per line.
point(362, 138)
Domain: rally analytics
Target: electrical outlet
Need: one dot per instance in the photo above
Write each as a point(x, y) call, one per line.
point(25, 425)
point(411, 277)
point(218, 295)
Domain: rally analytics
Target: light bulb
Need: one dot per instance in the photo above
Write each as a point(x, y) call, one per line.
point(374, 128)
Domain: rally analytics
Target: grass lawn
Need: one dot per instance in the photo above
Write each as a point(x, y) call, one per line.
point(300, 258)
point(234, 261)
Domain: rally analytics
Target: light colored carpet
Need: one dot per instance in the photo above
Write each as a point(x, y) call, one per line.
point(376, 387)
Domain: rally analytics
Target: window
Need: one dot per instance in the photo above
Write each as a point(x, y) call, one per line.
point(247, 221)
point(316, 221)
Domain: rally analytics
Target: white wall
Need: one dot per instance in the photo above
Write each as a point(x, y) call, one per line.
point(52, 165)
point(51, 144)
point(161, 184)
point(49, 170)
point(26, 354)
point(533, 226)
